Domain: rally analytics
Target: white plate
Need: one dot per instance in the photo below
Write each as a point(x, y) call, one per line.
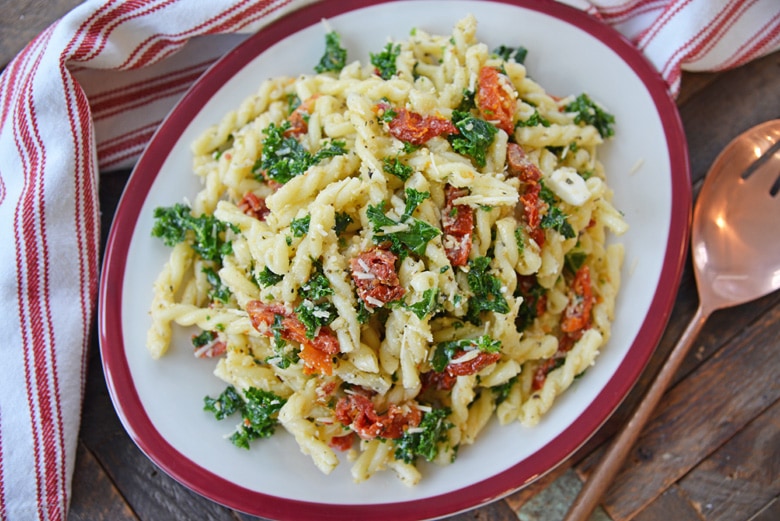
point(160, 402)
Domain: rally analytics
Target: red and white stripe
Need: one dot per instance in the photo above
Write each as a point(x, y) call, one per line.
point(87, 95)
point(49, 245)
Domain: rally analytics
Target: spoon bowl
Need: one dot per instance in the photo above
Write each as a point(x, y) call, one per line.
point(736, 256)
point(736, 259)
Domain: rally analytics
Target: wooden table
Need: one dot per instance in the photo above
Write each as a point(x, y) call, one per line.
point(711, 452)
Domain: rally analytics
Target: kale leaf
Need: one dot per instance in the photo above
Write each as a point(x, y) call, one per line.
point(428, 305)
point(425, 440)
point(555, 219)
point(343, 220)
point(590, 113)
point(384, 61)
point(474, 138)
point(206, 233)
point(219, 291)
point(534, 120)
point(315, 310)
point(486, 289)
point(335, 56)
point(283, 157)
point(511, 53)
point(268, 278)
point(397, 168)
point(259, 412)
point(300, 227)
point(417, 233)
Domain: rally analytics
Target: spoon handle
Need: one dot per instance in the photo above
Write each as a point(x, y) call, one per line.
point(604, 473)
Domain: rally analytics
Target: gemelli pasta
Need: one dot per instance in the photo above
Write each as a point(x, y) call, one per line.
point(384, 256)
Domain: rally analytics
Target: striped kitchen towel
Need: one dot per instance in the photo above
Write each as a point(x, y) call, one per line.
point(86, 95)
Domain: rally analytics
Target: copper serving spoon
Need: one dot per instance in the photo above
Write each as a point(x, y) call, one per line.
point(736, 259)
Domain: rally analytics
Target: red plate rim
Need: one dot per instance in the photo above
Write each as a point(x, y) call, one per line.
point(115, 365)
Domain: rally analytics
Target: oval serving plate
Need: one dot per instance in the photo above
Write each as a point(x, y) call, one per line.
point(160, 402)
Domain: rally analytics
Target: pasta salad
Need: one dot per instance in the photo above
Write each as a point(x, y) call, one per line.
point(386, 255)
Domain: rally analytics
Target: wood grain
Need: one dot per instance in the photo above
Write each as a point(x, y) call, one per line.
point(698, 415)
point(743, 473)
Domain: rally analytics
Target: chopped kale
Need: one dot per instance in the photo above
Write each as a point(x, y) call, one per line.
point(284, 354)
point(486, 289)
point(445, 351)
point(335, 56)
point(283, 157)
point(468, 102)
point(226, 404)
point(574, 260)
point(384, 61)
point(427, 439)
point(387, 112)
point(428, 305)
point(205, 337)
point(343, 220)
point(268, 278)
point(397, 168)
point(555, 219)
point(259, 411)
point(293, 102)
point(529, 307)
point(318, 285)
point(506, 53)
point(536, 119)
point(474, 138)
point(206, 233)
point(300, 227)
point(417, 233)
point(501, 391)
point(590, 113)
point(315, 310)
point(219, 291)
point(520, 240)
point(332, 149)
point(413, 199)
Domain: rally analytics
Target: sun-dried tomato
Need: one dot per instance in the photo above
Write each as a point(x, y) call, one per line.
point(299, 119)
point(417, 129)
point(437, 380)
point(473, 365)
point(342, 443)
point(496, 99)
point(315, 352)
point(520, 165)
point(577, 315)
point(373, 272)
point(458, 224)
point(531, 204)
point(542, 370)
point(254, 206)
point(445, 380)
point(359, 413)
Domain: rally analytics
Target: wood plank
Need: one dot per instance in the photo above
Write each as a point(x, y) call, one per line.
point(527, 493)
point(554, 501)
point(94, 497)
point(151, 493)
point(721, 110)
point(742, 474)
point(496, 511)
point(671, 505)
point(770, 511)
point(697, 416)
point(21, 22)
